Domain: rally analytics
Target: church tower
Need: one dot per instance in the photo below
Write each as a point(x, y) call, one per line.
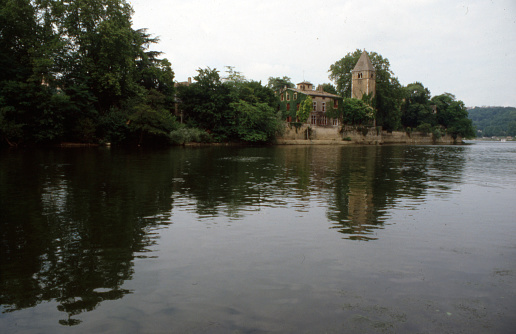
point(363, 78)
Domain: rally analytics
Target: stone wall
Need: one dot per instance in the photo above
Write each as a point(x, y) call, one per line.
point(417, 138)
point(335, 135)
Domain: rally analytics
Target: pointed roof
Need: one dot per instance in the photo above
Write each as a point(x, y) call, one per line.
point(364, 63)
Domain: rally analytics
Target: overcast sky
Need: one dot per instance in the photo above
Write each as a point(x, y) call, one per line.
point(467, 48)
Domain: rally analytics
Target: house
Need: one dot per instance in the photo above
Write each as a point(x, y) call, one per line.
point(291, 99)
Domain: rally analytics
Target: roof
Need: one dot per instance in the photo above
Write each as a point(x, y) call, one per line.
point(314, 93)
point(364, 63)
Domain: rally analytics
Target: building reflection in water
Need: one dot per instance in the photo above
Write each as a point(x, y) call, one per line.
point(72, 222)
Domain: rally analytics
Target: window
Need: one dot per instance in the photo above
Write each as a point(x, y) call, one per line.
point(323, 106)
point(313, 119)
point(288, 106)
point(335, 104)
point(297, 107)
point(282, 97)
point(289, 119)
point(335, 121)
point(295, 96)
point(288, 97)
point(372, 75)
point(315, 106)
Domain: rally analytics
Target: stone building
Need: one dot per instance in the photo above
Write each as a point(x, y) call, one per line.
point(363, 78)
point(291, 99)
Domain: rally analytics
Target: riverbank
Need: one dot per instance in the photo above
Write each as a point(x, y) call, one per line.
point(320, 135)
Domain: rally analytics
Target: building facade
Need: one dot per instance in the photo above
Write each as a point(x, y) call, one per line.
point(322, 102)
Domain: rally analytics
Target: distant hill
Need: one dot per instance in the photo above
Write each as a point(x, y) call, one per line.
point(494, 121)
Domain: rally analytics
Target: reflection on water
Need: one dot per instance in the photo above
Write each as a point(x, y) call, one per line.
point(357, 185)
point(72, 222)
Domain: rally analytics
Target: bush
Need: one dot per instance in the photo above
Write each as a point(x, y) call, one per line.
point(436, 132)
point(189, 135)
point(424, 128)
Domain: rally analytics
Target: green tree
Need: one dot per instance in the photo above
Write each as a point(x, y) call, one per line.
point(329, 88)
point(416, 108)
point(277, 83)
point(305, 109)
point(453, 115)
point(389, 96)
point(231, 109)
point(71, 64)
point(205, 104)
point(255, 122)
point(356, 112)
point(31, 110)
point(494, 121)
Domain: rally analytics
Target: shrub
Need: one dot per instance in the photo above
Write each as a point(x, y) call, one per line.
point(184, 135)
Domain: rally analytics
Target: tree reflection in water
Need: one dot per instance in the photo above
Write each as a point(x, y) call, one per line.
point(72, 222)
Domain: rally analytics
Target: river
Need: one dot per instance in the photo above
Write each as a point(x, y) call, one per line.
point(284, 239)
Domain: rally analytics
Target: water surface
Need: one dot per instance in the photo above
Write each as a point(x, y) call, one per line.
point(289, 239)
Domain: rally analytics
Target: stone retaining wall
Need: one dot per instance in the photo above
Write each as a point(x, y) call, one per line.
point(309, 134)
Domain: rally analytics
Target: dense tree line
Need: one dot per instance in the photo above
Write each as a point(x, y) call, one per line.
point(397, 107)
point(494, 121)
point(230, 108)
point(77, 71)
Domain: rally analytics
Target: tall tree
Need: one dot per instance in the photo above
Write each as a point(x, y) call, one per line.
point(305, 109)
point(277, 83)
point(72, 65)
point(387, 101)
point(416, 108)
point(453, 115)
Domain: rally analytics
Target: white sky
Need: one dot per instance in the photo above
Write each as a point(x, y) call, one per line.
point(467, 48)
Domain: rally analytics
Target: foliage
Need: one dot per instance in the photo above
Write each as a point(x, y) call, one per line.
point(453, 115)
point(305, 109)
point(416, 109)
point(424, 128)
point(329, 88)
point(70, 65)
point(356, 112)
point(277, 83)
point(189, 135)
point(255, 122)
point(236, 109)
point(388, 97)
point(494, 121)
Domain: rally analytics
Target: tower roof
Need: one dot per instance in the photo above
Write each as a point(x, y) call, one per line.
point(364, 63)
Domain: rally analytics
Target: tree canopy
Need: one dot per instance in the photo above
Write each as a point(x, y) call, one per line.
point(415, 109)
point(232, 108)
point(389, 95)
point(277, 83)
point(494, 121)
point(78, 71)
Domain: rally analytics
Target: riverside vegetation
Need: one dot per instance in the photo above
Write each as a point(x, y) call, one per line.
point(79, 72)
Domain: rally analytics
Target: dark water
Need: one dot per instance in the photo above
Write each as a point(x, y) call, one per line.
point(393, 239)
